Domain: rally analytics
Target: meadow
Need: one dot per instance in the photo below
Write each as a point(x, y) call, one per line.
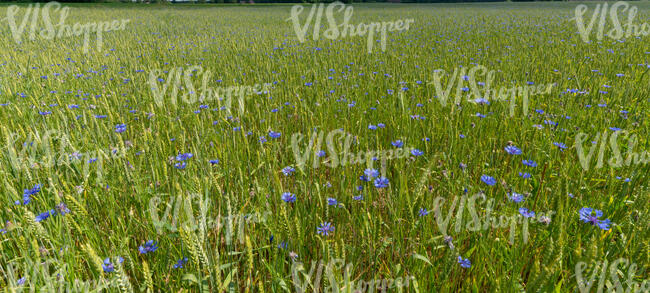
point(116, 175)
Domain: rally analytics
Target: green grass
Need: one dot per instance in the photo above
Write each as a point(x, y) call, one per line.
point(382, 236)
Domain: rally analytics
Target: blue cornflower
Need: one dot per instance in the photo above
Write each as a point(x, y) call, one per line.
point(370, 173)
point(27, 194)
point(513, 150)
point(416, 152)
point(381, 182)
point(214, 162)
point(288, 170)
point(489, 180)
point(332, 201)
point(516, 197)
point(481, 101)
point(358, 197)
point(274, 134)
point(183, 157)
point(62, 208)
point(465, 263)
point(21, 281)
point(288, 197)
point(149, 246)
point(120, 128)
point(33, 190)
point(325, 228)
point(108, 266)
point(423, 212)
point(524, 175)
point(526, 213)
point(529, 163)
point(45, 215)
point(180, 263)
point(372, 127)
point(75, 156)
point(398, 143)
point(560, 145)
point(283, 245)
point(589, 215)
point(448, 240)
point(180, 165)
point(321, 153)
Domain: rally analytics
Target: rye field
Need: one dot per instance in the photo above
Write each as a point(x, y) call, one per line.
point(495, 147)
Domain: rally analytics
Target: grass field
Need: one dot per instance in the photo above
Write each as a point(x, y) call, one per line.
point(96, 159)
